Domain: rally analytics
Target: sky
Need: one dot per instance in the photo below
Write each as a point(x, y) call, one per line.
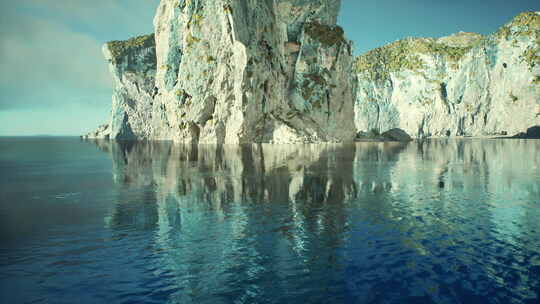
point(54, 80)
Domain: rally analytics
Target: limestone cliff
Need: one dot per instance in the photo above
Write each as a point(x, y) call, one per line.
point(237, 72)
point(132, 64)
point(461, 85)
point(281, 71)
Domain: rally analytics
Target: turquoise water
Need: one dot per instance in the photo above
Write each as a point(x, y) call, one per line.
point(441, 221)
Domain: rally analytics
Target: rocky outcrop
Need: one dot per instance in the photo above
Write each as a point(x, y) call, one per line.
point(233, 72)
point(102, 132)
point(397, 135)
point(391, 135)
point(282, 72)
point(461, 85)
point(132, 64)
point(532, 133)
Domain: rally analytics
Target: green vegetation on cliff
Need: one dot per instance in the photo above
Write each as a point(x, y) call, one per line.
point(524, 24)
point(120, 48)
point(531, 56)
point(397, 56)
point(327, 35)
point(405, 55)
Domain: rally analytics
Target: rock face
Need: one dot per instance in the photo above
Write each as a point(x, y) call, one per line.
point(102, 132)
point(461, 85)
point(236, 72)
point(281, 71)
point(132, 64)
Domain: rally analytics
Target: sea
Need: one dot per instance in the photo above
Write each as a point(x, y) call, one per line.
point(432, 221)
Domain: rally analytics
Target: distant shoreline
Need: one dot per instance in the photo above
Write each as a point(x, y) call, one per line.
point(26, 136)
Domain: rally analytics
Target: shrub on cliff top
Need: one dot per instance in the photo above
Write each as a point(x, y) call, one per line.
point(119, 48)
point(403, 55)
point(393, 57)
point(531, 56)
point(523, 24)
point(325, 34)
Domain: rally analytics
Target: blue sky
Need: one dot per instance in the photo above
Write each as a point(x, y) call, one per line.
point(371, 24)
point(54, 80)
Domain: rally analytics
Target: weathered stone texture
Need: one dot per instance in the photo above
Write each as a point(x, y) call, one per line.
point(461, 85)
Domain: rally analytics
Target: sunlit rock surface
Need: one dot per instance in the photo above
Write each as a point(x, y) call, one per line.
point(233, 72)
point(102, 132)
point(283, 72)
point(132, 64)
point(461, 85)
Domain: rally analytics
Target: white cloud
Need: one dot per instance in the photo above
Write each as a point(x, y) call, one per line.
point(42, 56)
point(115, 16)
point(50, 50)
point(44, 51)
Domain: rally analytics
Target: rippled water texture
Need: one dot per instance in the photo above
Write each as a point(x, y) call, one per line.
point(443, 221)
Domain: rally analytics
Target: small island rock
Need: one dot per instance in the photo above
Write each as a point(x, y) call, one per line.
point(396, 134)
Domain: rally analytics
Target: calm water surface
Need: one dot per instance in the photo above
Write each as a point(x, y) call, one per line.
point(442, 221)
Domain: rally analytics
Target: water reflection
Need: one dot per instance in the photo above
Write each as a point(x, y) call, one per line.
point(372, 222)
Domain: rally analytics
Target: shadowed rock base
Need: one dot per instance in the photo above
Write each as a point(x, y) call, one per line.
point(532, 133)
point(390, 135)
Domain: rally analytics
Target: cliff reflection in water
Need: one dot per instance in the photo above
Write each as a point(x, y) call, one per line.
point(245, 222)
